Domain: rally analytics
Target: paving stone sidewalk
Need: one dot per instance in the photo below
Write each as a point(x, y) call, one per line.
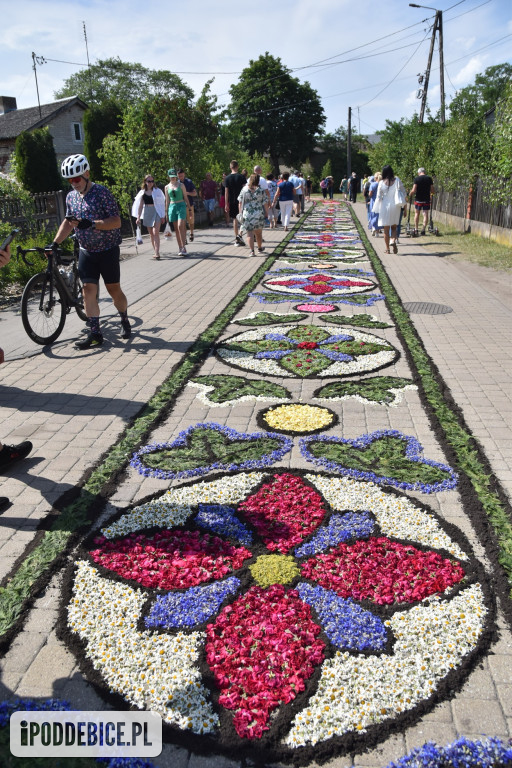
point(75, 405)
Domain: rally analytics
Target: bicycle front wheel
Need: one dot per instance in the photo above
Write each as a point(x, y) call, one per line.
point(78, 294)
point(43, 319)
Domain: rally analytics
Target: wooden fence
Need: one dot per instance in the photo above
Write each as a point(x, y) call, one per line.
point(47, 214)
point(472, 204)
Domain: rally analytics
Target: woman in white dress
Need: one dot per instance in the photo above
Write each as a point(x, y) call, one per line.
point(390, 200)
point(149, 207)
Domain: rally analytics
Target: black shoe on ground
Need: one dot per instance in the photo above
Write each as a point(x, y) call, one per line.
point(127, 329)
point(13, 453)
point(422, 232)
point(92, 340)
point(4, 504)
point(239, 239)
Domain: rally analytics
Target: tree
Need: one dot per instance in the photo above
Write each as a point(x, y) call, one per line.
point(335, 147)
point(275, 113)
point(36, 162)
point(99, 121)
point(475, 100)
point(406, 145)
point(156, 134)
point(113, 80)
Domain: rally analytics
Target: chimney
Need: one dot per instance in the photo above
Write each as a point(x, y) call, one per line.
point(7, 104)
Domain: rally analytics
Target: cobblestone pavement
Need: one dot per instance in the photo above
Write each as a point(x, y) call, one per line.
point(75, 405)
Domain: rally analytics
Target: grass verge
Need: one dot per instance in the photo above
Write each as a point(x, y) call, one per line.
point(460, 246)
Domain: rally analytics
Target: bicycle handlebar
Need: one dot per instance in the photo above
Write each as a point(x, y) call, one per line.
point(22, 252)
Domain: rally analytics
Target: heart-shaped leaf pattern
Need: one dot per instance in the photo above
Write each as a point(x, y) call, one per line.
point(379, 389)
point(385, 457)
point(206, 447)
point(228, 389)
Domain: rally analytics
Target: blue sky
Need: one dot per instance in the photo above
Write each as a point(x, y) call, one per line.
point(330, 43)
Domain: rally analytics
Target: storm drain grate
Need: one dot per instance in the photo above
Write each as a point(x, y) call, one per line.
point(426, 308)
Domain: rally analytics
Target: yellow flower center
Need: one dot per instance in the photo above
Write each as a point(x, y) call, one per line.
point(274, 569)
point(298, 418)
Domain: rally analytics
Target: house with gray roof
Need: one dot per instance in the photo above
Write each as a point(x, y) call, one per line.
point(63, 117)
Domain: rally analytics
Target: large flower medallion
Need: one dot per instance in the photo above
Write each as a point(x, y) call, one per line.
point(281, 608)
point(319, 284)
point(306, 351)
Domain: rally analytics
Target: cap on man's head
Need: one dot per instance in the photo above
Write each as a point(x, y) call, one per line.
point(172, 172)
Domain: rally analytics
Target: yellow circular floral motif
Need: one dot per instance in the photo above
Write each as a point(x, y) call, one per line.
point(298, 418)
point(274, 569)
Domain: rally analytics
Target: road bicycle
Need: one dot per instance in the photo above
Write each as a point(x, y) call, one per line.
point(51, 295)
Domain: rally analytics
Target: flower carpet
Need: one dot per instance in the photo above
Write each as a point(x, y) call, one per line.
point(296, 591)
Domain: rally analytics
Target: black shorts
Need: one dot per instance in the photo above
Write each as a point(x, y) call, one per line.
point(233, 209)
point(422, 206)
point(95, 264)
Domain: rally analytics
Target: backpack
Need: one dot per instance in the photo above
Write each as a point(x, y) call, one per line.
point(323, 184)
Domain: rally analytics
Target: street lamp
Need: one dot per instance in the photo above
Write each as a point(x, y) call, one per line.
point(438, 27)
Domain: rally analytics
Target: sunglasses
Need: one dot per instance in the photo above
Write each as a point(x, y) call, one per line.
point(149, 181)
point(75, 179)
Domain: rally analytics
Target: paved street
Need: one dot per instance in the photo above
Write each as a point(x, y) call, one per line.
point(74, 406)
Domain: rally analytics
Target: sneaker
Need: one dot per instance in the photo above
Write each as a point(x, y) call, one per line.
point(183, 251)
point(422, 232)
point(239, 239)
point(127, 329)
point(12, 453)
point(92, 340)
point(252, 253)
point(260, 250)
point(191, 237)
point(236, 244)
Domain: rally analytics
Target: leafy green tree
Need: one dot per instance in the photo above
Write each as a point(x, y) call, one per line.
point(476, 99)
point(157, 133)
point(99, 121)
point(335, 146)
point(497, 173)
point(36, 162)
point(113, 80)
point(326, 170)
point(275, 113)
point(406, 145)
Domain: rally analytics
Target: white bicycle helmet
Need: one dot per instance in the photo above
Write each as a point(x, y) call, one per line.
point(74, 165)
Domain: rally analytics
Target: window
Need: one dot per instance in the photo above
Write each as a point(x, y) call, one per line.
point(77, 132)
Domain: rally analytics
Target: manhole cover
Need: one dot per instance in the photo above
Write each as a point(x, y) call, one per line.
point(426, 308)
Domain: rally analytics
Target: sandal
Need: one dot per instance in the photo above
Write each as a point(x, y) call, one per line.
point(191, 237)
point(386, 250)
point(395, 248)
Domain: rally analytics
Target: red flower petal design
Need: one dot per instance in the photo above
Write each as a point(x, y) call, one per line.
point(321, 279)
point(316, 289)
point(170, 559)
point(261, 649)
point(284, 511)
point(383, 571)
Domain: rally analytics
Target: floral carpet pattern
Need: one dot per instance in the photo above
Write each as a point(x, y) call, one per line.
point(264, 607)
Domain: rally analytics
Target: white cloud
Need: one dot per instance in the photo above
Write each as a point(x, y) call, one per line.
point(467, 74)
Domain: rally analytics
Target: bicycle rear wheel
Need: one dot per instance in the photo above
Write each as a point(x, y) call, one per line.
point(43, 321)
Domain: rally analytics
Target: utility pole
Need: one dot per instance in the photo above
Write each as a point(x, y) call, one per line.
point(88, 62)
point(349, 143)
point(437, 28)
point(37, 60)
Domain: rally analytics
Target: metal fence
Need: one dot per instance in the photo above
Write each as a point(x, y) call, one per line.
point(47, 213)
point(472, 204)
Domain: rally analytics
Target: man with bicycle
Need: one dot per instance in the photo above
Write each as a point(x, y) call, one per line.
point(92, 212)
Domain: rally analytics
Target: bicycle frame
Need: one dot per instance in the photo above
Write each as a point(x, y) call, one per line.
point(54, 261)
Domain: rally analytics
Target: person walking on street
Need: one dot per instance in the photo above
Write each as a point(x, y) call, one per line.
point(323, 187)
point(208, 194)
point(353, 187)
point(92, 212)
point(390, 201)
point(234, 183)
point(309, 185)
point(253, 207)
point(423, 189)
point(222, 198)
point(273, 213)
point(303, 195)
point(344, 188)
point(285, 196)
point(149, 207)
point(192, 196)
point(373, 217)
point(330, 187)
point(176, 204)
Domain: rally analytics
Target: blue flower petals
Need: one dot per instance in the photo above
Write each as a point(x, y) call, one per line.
point(192, 606)
point(221, 520)
point(353, 525)
point(345, 623)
